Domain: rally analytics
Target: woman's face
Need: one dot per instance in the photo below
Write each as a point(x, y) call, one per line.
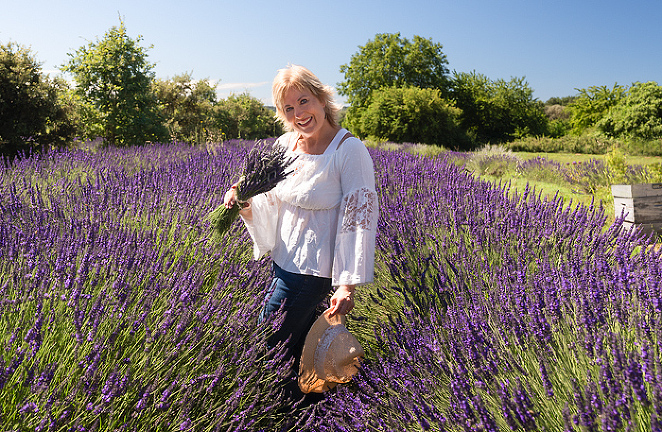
point(303, 111)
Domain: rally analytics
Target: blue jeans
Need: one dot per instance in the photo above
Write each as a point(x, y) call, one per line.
point(299, 295)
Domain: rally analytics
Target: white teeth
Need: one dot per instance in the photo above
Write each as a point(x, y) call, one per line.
point(305, 123)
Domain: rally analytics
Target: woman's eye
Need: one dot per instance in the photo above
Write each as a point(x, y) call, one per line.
point(303, 101)
point(288, 109)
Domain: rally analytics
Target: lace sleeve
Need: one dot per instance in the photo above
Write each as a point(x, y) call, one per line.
point(354, 258)
point(360, 210)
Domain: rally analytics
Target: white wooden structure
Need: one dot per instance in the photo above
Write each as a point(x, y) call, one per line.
point(641, 204)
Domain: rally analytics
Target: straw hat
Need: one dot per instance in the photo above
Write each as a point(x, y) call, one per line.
point(331, 355)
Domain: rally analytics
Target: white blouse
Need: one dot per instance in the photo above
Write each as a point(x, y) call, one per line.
point(322, 219)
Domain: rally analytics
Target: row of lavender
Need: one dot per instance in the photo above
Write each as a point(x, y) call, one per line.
point(518, 314)
point(116, 312)
point(488, 313)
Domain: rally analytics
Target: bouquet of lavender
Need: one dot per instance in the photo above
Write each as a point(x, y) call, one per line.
point(266, 166)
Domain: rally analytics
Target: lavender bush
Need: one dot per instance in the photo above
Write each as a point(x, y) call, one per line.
point(516, 314)
point(115, 312)
point(492, 310)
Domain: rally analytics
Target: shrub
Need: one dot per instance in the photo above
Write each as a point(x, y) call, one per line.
point(243, 116)
point(587, 144)
point(643, 147)
point(492, 161)
point(556, 112)
point(615, 160)
point(409, 115)
point(492, 309)
point(32, 113)
point(497, 111)
point(637, 115)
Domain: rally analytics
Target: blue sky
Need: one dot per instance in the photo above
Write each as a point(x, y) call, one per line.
point(557, 45)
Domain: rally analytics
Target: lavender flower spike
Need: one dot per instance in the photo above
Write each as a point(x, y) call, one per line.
point(265, 168)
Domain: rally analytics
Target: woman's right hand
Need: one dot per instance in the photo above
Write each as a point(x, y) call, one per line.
point(230, 198)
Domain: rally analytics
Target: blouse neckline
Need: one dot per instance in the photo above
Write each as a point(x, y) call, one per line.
point(330, 149)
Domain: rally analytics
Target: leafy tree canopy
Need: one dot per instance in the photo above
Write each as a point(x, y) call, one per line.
point(592, 104)
point(243, 116)
point(114, 86)
point(187, 105)
point(497, 110)
point(561, 101)
point(389, 60)
point(30, 112)
point(638, 114)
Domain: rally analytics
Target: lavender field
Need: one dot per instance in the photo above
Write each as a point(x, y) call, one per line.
point(491, 310)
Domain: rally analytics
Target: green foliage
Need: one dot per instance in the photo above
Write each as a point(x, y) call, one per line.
point(643, 147)
point(497, 111)
point(592, 105)
point(243, 116)
point(562, 101)
point(114, 89)
point(558, 128)
point(618, 168)
point(585, 144)
point(558, 117)
point(194, 115)
point(390, 60)
point(557, 112)
point(492, 160)
point(32, 111)
point(188, 107)
point(410, 114)
point(653, 173)
point(637, 115)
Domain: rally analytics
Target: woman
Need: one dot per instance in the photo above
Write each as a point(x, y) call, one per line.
point(320, 223)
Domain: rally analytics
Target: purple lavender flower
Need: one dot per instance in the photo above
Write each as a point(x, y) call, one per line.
point(547, 384)
point(29, 408)
point(635, 378)
point(567, 419)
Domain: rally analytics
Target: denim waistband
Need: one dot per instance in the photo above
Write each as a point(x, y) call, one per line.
point(284, 274)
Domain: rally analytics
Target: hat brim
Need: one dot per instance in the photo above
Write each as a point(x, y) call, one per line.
point(309, 381)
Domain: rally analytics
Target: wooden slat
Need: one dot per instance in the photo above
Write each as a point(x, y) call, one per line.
point(639, 209)
point(637, 190)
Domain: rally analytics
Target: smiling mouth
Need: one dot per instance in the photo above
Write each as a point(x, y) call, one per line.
point(306, 122)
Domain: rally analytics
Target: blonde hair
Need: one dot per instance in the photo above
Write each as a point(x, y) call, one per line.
point(294, 76)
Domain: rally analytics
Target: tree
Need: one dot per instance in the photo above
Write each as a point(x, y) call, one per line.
point(637, 115)
point(391, 61)
point(592, 104)
point(414, 115)
point(114, 87)
point(497, 111)
point(243, 116)
point(188, 108)
point(31, 115)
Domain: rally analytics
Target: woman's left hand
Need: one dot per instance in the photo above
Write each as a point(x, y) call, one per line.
point(342, 301)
